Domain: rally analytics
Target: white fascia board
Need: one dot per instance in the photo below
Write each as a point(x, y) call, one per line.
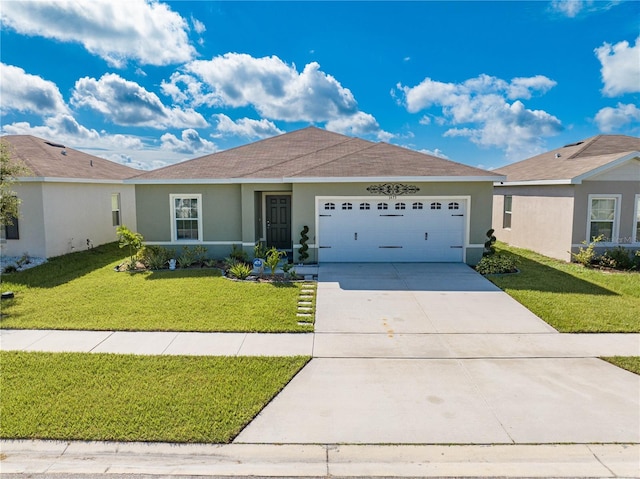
point(355, 179)
point(45, 179)
point(533, 183)
point(391, 179)
point(601, 169)
point(204, 181)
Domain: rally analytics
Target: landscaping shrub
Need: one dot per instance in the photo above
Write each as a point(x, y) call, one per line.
point(155, 257)
point(239, 254)
point(260, 250)
point(617, 258)
point(497, 264)
point(240, 270)
point(133, 241)
point(304, 247)
point(489, 248)
point(273, 259)
point(586, 256)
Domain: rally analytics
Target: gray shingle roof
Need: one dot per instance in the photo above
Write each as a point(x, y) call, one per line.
point(47, 159)
point(573, 160)
point(313, 153)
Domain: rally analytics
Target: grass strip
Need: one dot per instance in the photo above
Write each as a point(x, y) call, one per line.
point(572, 298)
point(105, 397)
point(630, 363)
point(81, 291)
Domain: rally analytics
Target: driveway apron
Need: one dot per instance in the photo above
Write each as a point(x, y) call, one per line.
point(428, 354)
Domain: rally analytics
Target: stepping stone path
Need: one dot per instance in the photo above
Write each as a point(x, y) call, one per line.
point(306, 301)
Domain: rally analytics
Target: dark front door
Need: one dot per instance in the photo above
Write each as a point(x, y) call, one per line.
point(279, 221)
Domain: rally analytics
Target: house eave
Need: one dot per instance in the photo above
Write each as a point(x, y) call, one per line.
point(47, 179)
point(534, 182)
point(358, 179)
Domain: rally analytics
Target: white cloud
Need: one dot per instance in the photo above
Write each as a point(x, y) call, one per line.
point(570, 8)
point(198, 26)
point(189, 143)
point(65, 129)
point(478, 109)
point(246, 127)
point(276, 90)
point(437, 152)
point(23, 92)
point(524, 88)
point(126, 103)
point(358, 124)
point(620, 67)
point(116, 30)
point(611, 119)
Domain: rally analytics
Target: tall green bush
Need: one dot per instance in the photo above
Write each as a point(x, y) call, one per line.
point(132, 240)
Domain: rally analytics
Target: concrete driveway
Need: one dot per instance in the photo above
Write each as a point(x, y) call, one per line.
point(433, 354)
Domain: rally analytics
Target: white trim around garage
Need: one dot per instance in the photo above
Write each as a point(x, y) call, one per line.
point(408, 199)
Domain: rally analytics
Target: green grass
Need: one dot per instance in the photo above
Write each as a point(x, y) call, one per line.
point(104, 397)
point(82, 291)
point(572, 298)
point(629, 363)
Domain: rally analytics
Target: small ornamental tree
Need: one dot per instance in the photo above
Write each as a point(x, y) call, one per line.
point(302, 252)
point(10, 170)
point(489, 248)
point(133, 241)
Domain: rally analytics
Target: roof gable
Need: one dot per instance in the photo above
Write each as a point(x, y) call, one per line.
point(48, 159)
point(574, 162)
point(313, 153)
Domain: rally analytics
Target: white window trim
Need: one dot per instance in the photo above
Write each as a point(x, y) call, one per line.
point(119, 210)
point(615, 234)
point(174, 233)
point(510, 211)
point(636, 212)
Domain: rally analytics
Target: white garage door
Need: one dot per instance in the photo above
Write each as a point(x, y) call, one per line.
point(402, 230)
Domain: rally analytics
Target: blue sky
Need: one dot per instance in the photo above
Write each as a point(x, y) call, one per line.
point(150, 83)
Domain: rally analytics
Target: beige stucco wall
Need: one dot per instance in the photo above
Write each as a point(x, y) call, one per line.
point(58, 218)
point(30, 223)
point(541, 218)
point(628, 191)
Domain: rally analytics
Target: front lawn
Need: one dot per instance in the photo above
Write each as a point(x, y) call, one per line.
point(105, 397)
point(81, 291)
point(625, 362)
point(572, 298)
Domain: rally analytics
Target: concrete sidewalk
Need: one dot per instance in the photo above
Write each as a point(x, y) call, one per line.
point(49, 458)
point(154, 343)
point(389, 344)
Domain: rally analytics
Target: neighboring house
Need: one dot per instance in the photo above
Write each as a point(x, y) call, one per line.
point(361, 201)
point(553, 202)
point(72, 199)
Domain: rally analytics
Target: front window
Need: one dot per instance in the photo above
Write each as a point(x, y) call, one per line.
point(11, 231)
point(602, 218)
point(115, 209)
point(186, 217)
point(506, 212)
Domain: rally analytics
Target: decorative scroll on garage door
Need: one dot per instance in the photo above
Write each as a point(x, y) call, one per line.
point(380, 230)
